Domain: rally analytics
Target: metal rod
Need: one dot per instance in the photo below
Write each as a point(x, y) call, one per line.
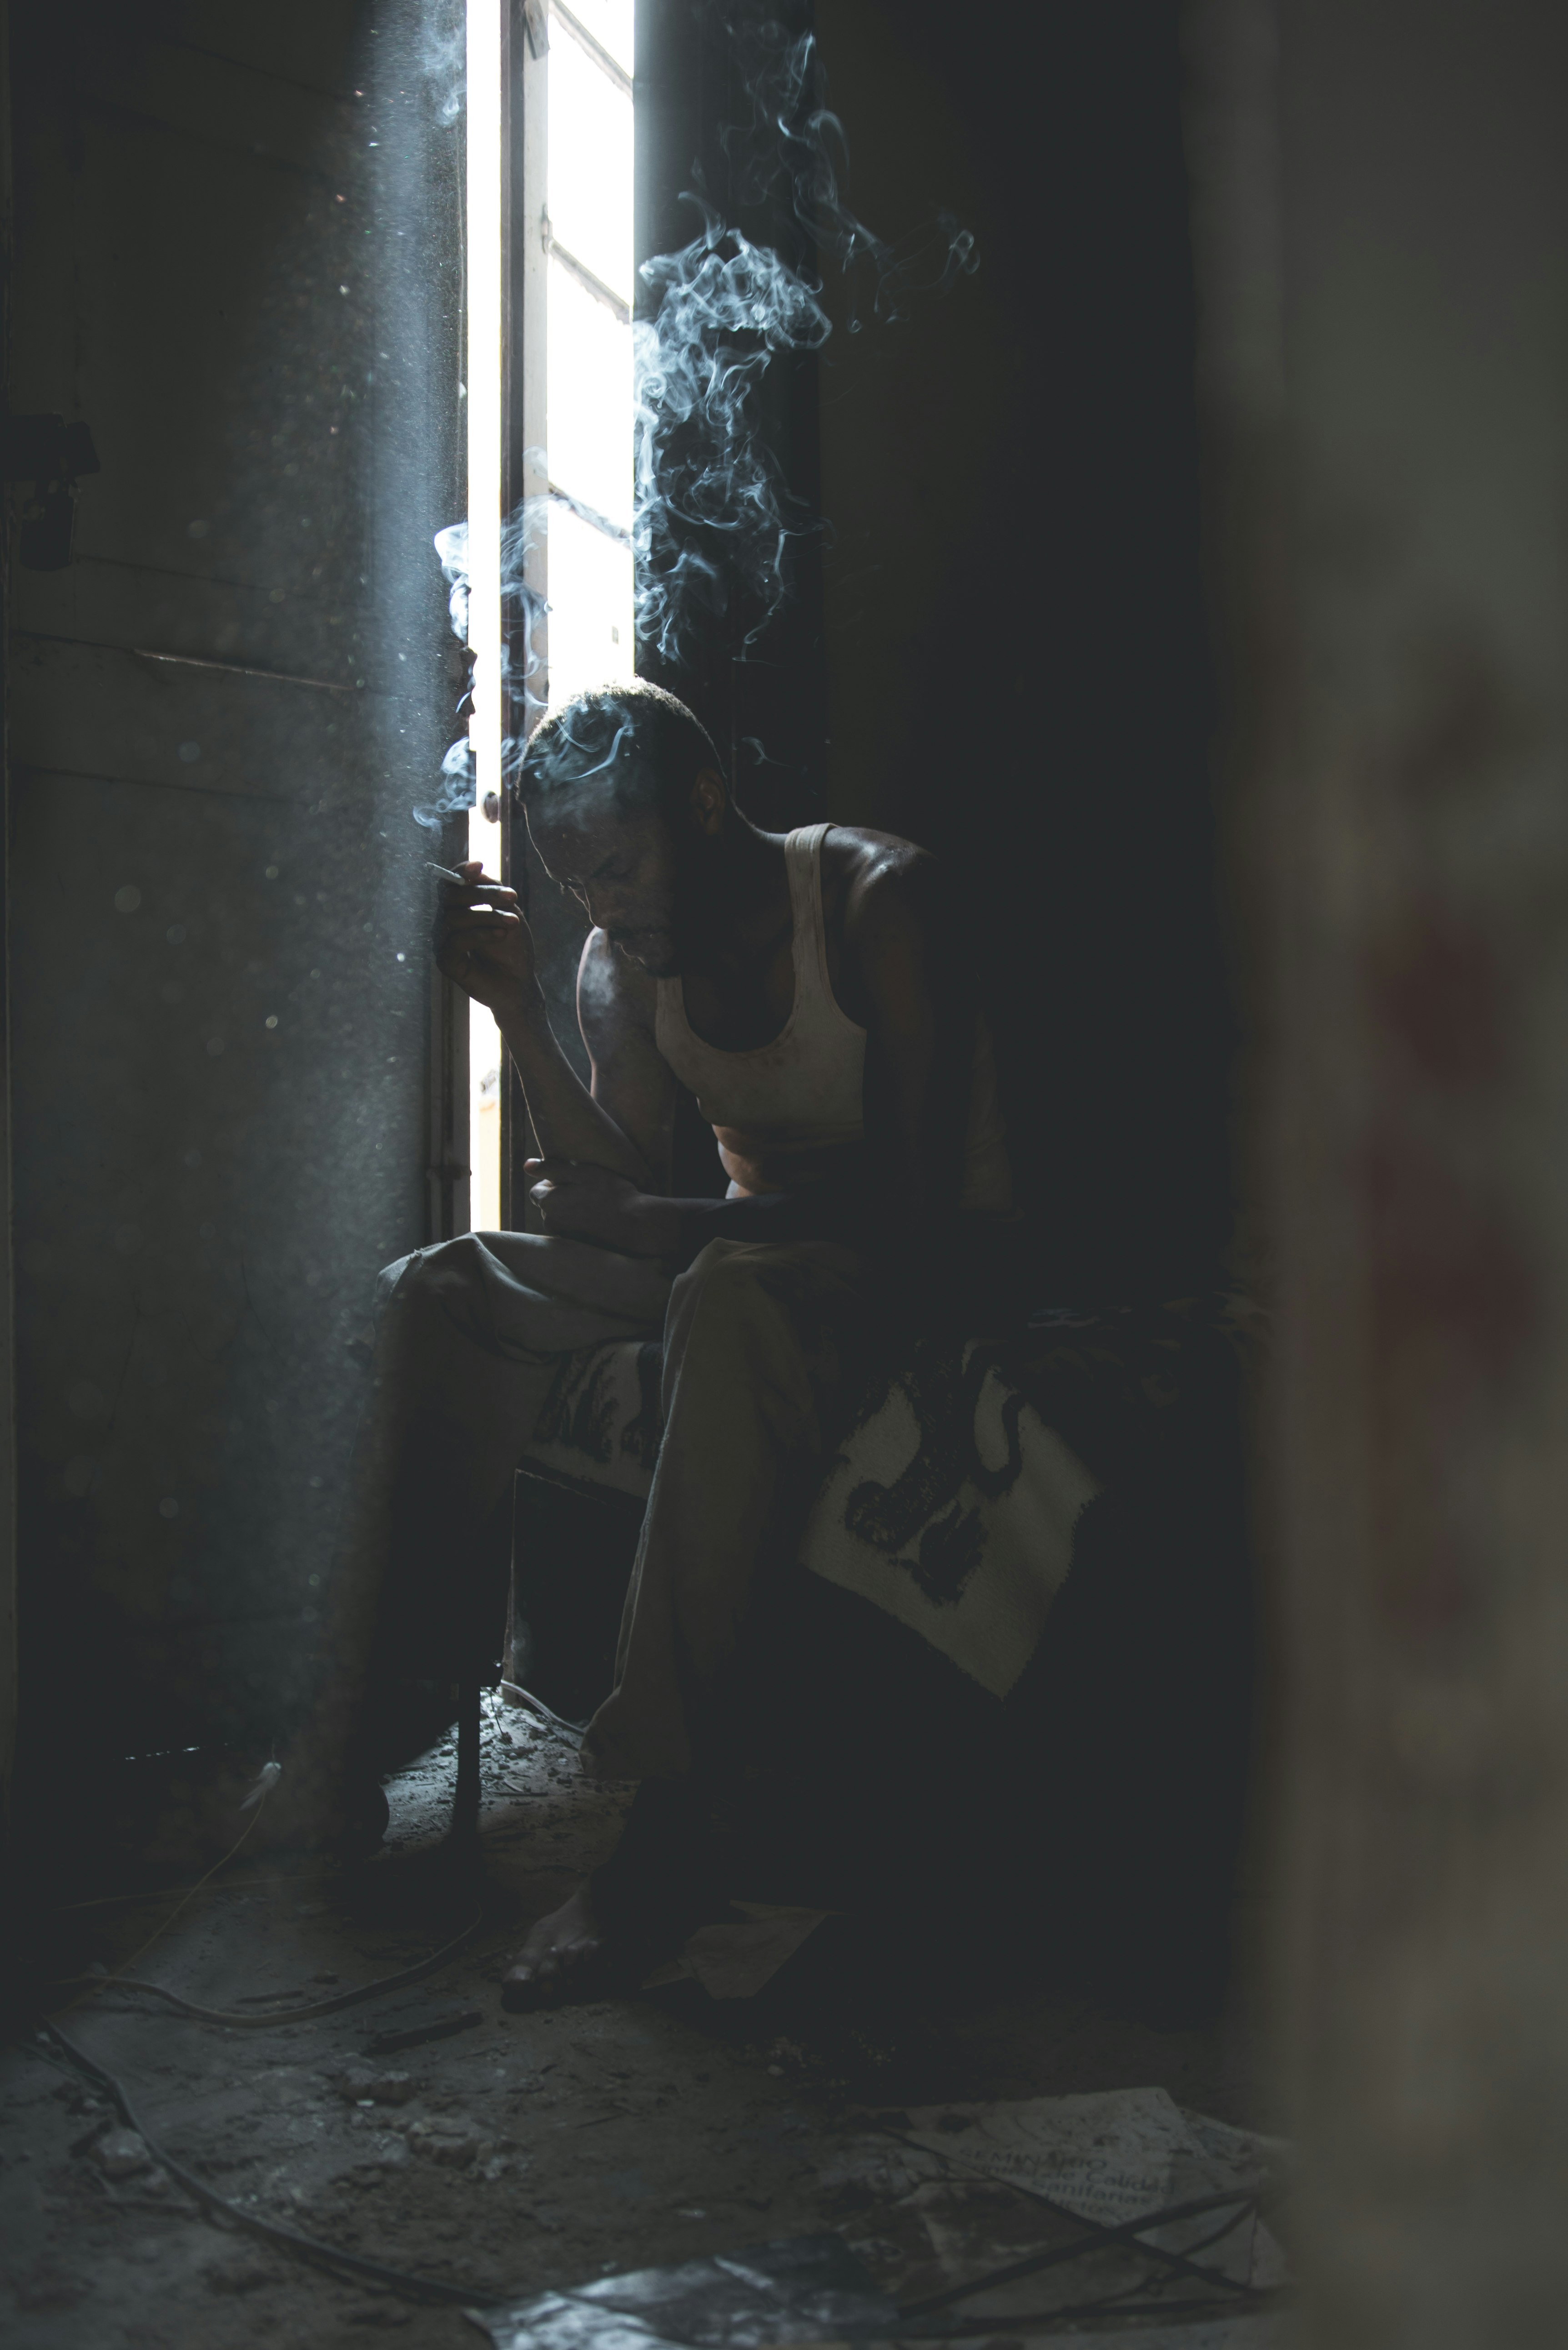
point(616, 304)
point(612, 67)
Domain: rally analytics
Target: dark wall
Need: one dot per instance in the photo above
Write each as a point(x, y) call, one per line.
point(754, 673)
point(996, 645)
point(1016, 666)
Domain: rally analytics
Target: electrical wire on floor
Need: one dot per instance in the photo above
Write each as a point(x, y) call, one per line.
point(1101, 2234)
point(232, 2020)
point(155, 1893)
point(1071, 2315)
point(920, 2321)
point(255, 1803)
point(911, 2325)
point(917, 2321)
point(288, 2239)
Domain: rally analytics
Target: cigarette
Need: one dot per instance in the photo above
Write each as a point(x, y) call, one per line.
point(447, 874)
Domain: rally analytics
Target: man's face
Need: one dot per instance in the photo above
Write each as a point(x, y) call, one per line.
point(625, 868)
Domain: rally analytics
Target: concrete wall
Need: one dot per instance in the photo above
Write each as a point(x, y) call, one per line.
point(238, 260)
point(1383, 237)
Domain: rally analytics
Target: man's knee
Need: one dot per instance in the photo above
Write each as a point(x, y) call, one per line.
point(726, 1275)
point(763, 1319)
point(426, 1277)
point(730, 1293)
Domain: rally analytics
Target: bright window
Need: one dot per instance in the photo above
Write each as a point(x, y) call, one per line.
point(588, 404)
point(589, 417)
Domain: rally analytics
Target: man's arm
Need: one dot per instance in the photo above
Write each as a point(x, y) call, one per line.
point(482, 942)
point(631, 1081)
point(909, 978)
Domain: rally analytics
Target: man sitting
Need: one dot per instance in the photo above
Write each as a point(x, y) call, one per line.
point(816, 993)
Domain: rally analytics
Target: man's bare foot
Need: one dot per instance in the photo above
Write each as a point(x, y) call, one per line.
point(566, 1956)
point(636, 1910)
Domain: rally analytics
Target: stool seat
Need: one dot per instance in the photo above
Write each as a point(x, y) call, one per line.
point(950, 1504)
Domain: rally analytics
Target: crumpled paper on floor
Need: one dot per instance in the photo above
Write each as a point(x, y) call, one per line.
point(803, 2289)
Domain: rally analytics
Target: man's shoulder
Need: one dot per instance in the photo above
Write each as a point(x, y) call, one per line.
point(613, 992)
point(876, 883)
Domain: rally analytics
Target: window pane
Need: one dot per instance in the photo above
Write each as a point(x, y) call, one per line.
point(588, 371)
point(590, 608)
point(591, 164)
point(589, 399)
point(609, 22)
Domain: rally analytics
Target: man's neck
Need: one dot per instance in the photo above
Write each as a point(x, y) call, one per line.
point(747, 887)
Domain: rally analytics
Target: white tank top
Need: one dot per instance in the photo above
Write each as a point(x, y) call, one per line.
point(784, 1113)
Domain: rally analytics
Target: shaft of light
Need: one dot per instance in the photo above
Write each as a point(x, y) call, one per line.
point(484, 380)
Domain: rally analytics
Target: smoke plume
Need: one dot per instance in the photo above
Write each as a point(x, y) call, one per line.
point(713, 515)
point(522, 610)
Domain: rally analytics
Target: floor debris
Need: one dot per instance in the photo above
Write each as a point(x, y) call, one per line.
point(803, 2289)
point(122, 2153)
point(507, 2158)
point(389, 2043)
point(362, 2087)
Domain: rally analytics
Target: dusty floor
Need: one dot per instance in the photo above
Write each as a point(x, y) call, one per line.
point(524, 2152)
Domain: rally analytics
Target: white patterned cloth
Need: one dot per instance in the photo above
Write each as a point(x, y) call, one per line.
point(950, 1504)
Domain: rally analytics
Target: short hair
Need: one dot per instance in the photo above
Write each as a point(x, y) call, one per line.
point(648, 743)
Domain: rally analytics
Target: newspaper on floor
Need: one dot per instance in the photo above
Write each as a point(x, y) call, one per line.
point(1110, 2157)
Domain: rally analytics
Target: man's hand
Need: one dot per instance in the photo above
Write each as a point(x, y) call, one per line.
point(590, 1203)
point(482, 941)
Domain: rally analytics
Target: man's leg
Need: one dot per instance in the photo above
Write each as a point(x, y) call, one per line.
point(469, 1337)
point(762, 1345)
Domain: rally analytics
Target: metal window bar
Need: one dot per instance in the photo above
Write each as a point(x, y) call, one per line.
point(592, 48)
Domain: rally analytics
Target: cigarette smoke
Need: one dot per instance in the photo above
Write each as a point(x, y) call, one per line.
point(443, 59)
point(523, 610)
point(713, 517)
